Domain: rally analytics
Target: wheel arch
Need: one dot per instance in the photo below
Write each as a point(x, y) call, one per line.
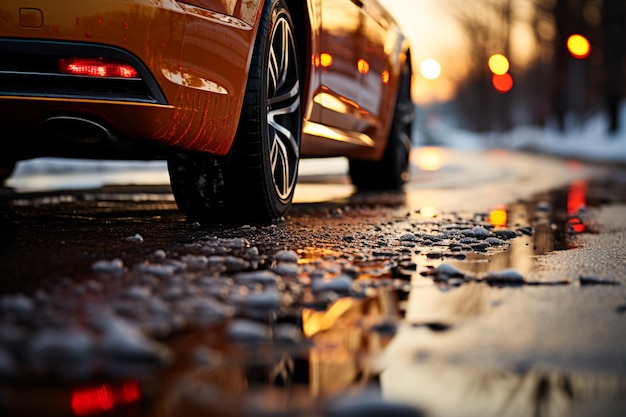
point(405, 52)
point(405, 59)
point(409, 61)
point(302, 25)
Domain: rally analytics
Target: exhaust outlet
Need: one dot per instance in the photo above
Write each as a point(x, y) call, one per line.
point(78, 129)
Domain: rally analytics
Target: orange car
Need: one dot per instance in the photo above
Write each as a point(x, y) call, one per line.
point(231, 93)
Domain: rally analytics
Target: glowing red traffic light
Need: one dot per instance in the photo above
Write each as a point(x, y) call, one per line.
point(502, 83)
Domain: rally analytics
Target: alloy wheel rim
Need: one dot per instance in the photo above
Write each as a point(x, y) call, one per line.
point(283, 108)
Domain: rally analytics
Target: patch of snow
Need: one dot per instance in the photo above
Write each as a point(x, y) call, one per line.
point(588, 141)
point(122, 340)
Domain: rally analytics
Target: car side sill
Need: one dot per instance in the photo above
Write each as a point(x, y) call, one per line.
point(355, 138)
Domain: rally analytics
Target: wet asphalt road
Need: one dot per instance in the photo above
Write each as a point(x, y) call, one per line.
point(494, 285)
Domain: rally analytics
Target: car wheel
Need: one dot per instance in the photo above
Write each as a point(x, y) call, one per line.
point(392, 171)
point(256, 180)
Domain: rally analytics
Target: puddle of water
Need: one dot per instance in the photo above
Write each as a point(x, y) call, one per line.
point(217, 374)
point(332, 345)
point(427, 363)
point(463, 391)
point(548, 223)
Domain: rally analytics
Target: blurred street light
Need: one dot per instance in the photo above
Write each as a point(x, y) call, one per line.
point(501, 79)
point(578, 46)
point(498, 64)
point(503, 83)
point(430, 69)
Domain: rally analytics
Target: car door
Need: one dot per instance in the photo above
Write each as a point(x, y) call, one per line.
point(355, 68)
point(374, 68)
point(341, 47)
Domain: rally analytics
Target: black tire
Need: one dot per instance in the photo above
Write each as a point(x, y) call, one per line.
point(257, 179)
point(392, 171)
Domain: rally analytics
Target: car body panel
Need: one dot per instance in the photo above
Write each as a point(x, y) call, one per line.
point(201, 72)
point(356, 102)
point(198, 53)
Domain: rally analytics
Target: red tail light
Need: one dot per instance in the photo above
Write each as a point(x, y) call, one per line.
point(94, 67)
point(98, 399)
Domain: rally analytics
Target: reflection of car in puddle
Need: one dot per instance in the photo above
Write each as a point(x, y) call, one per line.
point(244, 374)
point(279, 376)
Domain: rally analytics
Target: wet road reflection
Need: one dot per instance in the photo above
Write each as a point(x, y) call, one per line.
point(357, 304)
point(462, 391)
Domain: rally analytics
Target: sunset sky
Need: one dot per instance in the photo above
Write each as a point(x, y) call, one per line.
point(435, 34)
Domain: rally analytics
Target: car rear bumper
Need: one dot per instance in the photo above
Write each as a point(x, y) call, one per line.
point(192, 66)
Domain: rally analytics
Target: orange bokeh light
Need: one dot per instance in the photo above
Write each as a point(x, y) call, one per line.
point(363, 66)
point(502, 83)
point(429, 158)
point(385, 77)
point(428, 211)
point(498, 217)
point(498, 64)
point(326, 60)
point(578, 46)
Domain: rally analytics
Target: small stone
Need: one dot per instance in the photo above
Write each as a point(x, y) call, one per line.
point(468, 240)
point(477, 232)
point(264, 277)
point(337, 213)
point(286, 256)
point(527, 230)
point(446, 271)
point(18, 305)
point(494, 241)
point(138, 293)
point(137, 238)
point(505, 276)
point(122, 340)
point(409, 237)
point(248, 331)
point(159, 255)
point(113, 266)
point(94, 286)
point(159, 270)
point(340, 285)
point(235, 264)
point(480, 247)
point(211, 308)
point(63, 349)
point(588, 280)
point(505, 234)
point(195, 262)
point(286, 269)
point(266, 300)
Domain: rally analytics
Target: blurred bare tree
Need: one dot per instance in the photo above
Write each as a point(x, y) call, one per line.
point(614, 47)
point(487, 25)
point(552, 85)
point(584, 86)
